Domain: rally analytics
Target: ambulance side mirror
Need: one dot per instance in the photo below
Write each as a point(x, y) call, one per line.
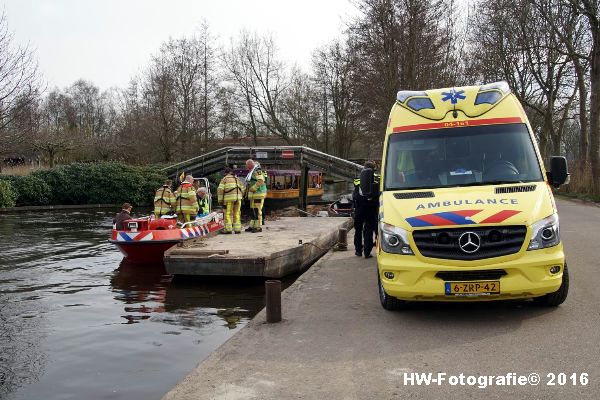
point(559, 172)
point(366, 181)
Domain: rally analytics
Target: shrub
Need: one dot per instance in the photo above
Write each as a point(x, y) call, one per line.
point(80, 183)
point(7, 194)
point(56, 180)
point(31, 190)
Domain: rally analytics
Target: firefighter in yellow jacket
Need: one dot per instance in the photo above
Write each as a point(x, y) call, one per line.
point(231, 193)
point(257, 191)
point(186, 205)
point(164, 199)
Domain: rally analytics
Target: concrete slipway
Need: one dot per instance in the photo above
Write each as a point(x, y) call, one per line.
point(286, 245)
point(336, 342)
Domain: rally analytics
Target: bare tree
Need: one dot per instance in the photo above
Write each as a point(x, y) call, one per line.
point(160, 98)
point(182, 59)
point(239, 73)
point(400, 44)
point(135, 136)
point(210, 84)
point(303, 109)
point(512, 41)
point(20, 85)
point(590, 9)
point(57, 133)
point(254, 66)
point(334, 73)
point(106, 143)
point(184, 72)
point(228, 119)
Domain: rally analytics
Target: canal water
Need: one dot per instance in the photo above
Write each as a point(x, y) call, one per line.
point(78, 323)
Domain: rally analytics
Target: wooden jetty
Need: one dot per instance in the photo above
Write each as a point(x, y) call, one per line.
point(285, 246)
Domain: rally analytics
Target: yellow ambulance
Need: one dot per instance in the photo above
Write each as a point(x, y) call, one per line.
point(466, 208)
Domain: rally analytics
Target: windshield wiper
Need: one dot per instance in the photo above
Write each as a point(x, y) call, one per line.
point(412, 188)
point(501, 182)
point(497, 182)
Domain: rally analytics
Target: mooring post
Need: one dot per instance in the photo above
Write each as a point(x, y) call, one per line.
point(273, 300)
point(303, 186)
point(342, 239)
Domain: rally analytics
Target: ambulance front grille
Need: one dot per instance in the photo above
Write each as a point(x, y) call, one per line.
point(413, 195)
point(515, 189)
point(495, 241)
point(481, 275)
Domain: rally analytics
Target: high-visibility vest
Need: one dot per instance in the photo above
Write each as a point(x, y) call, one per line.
point(257, 187)
point(376, 179)
point(230, 189)
point(163, 200)
point(203, 206)
point(185, 199)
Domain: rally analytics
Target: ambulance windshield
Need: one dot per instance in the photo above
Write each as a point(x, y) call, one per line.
point(468, 156)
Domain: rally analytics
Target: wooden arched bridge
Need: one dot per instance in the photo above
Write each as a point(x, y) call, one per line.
point(291, 157)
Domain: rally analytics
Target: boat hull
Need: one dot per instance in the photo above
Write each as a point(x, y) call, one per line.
point(149, 245)
point(145, 252)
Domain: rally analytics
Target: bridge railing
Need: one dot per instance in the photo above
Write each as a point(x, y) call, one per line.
point(282, 156)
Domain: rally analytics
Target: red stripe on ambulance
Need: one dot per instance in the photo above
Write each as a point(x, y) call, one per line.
point(457, 124)
point(435, 220)
point(500, 216)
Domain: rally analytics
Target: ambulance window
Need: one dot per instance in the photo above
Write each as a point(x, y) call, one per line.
point(461, 157)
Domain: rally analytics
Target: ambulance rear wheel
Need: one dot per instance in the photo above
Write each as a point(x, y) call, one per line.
point(558, 297)
point(388, 302)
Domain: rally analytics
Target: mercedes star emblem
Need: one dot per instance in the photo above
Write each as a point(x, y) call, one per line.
point(469, 242)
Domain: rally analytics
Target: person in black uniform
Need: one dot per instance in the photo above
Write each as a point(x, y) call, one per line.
point(366, 210)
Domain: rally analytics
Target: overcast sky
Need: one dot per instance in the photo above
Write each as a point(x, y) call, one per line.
point(110, 41)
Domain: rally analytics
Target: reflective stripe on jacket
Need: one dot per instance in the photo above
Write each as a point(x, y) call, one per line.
point(257, 187)
point(185, 199)
point(230, 189)
point(163, 200)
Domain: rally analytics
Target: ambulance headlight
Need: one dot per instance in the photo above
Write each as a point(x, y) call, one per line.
point(545, 233)
point(394, 239)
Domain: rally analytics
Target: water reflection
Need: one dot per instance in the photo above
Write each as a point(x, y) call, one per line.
point(150, 293)
point(22, 329)
point(142, 288)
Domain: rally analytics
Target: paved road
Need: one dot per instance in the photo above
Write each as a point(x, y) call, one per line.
point(338, 343)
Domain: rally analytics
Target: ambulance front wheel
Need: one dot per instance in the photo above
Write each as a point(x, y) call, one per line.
point(388, 302)
point(556, 298)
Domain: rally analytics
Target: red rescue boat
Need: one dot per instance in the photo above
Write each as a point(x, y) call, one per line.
point(146, 239)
